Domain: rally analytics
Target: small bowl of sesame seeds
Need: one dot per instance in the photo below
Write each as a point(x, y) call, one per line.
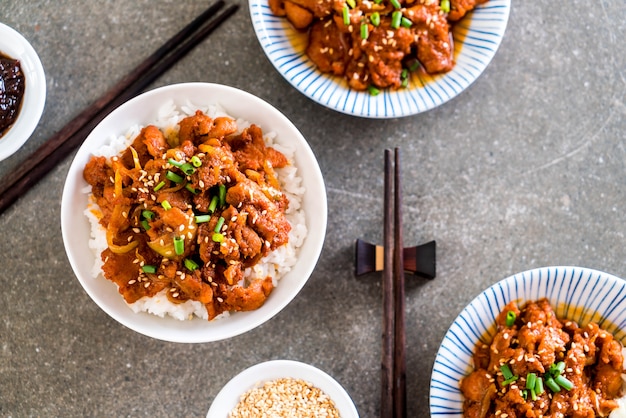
point(576, 295)
point(277, 388)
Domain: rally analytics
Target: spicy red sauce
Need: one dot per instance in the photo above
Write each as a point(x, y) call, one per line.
point(12, 85)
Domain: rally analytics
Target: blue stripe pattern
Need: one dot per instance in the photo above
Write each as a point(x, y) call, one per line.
point(482, 33)
point(579, 294)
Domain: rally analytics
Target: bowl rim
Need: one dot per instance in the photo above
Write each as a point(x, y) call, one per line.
point(280, 43)
point(254, 376)
point(144, 108)
point(15, 45)
point(564, 286)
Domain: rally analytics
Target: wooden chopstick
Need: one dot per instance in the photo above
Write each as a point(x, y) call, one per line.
point(55, 149)
point(399, 341)
point(387, 363)
point(393, 363)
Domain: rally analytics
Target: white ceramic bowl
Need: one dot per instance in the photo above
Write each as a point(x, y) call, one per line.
point(580, 294)
point(482, 32)
point(256, 375)
point(17, 47)
point(143, 109)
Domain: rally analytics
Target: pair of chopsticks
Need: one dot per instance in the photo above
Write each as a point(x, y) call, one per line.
point(55, 149)
point(394, 260)
point(393, 364)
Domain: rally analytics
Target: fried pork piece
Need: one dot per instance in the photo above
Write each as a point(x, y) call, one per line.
point(328, 47)
point(383, 52)
point(459, 8)
point(299, 17)
point(591, 360)
point(434, 39)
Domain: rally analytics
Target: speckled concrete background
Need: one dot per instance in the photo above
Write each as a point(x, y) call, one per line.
point(524, 169)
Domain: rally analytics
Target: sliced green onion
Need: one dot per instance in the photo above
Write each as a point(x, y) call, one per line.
point(414, 65)
point(552, 385)
point(531, 381)
point(556, 369)
point(378, 1)
point(222, 194)
point(506, 371)
point(524, 394)
point(179, 245)
point(444, 5)
point(220, 223)
point(189, 187)
point(174, 162)
point(395, 4)
point(202, 218)
point(166, 205)
point(405, 82)
point(190, 264)
point(509, 381)
point(396, 18)
point(217, 237)
point(159, 186)
point(170, 175)
point(564, 382)
point(373, 90)
point(533, 395)
point(375, 18)
point(146, 226)
point(510, 318)
point(188, 169)
point(149, 269)
point(405, 22)
point(539, 386)
point(196, 161)
point(147, 214)
point(351, 3)
point(346, 15)
point(213, 204)
point(364, 31)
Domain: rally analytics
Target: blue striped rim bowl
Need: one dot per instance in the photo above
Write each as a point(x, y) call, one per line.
point(477, 37)
point(579, 294)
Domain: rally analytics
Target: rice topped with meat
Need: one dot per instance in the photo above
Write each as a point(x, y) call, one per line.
point(196, 213)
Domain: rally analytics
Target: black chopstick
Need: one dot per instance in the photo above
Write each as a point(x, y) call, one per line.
point(393, 363)
point(55, 149)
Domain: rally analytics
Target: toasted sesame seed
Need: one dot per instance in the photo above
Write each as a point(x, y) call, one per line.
point(282, 397)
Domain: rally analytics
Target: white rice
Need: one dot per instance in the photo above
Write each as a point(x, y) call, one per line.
point(276, 264)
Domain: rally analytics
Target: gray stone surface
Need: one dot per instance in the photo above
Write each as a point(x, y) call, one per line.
point(526, 168)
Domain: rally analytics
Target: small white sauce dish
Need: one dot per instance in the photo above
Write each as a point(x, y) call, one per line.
point(15, 46)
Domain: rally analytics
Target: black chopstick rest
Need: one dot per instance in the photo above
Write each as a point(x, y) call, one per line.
point(420, 260)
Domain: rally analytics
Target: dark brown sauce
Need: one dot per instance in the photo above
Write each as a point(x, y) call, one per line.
point(12, 85)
